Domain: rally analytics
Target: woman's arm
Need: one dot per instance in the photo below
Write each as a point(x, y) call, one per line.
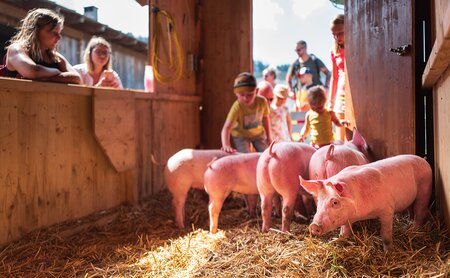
point(68, 73)
point(18, 60)
point(333, 84)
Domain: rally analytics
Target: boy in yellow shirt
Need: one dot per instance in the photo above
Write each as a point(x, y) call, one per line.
point(248, 120)
point(318, 119)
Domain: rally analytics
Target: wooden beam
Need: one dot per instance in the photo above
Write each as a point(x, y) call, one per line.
point(114, 126)
point(439, 58)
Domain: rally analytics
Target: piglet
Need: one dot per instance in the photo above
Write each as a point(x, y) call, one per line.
point(184, 170)
point(232, 173)
point(374, 190)
point(330, 160)
point(277, 171)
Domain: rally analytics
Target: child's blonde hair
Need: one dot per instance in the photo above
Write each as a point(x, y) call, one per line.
point(28, 34)
point(337, 20)
point(88, 51)
point(317, 96)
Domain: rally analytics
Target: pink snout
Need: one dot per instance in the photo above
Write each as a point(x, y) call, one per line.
point(315, 229)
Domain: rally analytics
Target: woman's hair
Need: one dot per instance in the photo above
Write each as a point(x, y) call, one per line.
point(270, 70)
point(90, 46)
point(337, 20)
point(317, 96)
point(28, 34)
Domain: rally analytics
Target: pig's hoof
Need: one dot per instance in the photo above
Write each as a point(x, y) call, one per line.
point(387, 245)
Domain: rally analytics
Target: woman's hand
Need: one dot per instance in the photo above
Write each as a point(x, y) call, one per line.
point(104, 82)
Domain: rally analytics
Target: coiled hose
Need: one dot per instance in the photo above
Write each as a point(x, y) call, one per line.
point(175, 64)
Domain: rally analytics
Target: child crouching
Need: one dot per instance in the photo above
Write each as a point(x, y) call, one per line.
point(248, 120)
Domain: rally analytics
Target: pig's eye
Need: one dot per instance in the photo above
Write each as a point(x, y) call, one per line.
point(335, 203)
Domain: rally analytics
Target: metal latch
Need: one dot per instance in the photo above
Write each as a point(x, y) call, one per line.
point(401, 50)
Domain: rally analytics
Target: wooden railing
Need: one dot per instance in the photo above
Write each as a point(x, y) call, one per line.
point(67, 151)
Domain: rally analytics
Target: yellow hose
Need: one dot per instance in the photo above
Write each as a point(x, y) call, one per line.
point(175, 65)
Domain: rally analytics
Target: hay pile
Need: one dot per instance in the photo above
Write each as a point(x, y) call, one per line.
point(143, 242)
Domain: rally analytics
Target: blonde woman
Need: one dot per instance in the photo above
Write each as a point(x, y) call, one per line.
point(97, 67)
point(32, 51)
point(337, 88)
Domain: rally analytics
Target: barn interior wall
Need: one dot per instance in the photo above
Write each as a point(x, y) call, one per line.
point(442, 147)
point(381, 97)
point(437, 76)
point(226, 38)
point(55, 166)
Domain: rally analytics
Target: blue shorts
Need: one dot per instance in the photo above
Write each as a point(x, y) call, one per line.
point(242, 144)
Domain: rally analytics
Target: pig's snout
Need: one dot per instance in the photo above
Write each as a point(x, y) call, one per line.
point(315, 229)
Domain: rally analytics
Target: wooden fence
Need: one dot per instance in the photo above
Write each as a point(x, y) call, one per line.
point(68, 151)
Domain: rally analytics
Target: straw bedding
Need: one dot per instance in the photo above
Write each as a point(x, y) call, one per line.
point(142, 242)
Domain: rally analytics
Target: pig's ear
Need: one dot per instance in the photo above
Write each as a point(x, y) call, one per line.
point(312, 186)
point(358, 140)
point(340, 188)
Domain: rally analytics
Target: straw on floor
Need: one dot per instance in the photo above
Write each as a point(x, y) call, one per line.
point(143, 242)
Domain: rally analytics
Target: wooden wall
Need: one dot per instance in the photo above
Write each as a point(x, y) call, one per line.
point(380, 88)
point(226, 38)
point(185, 16)
point(437, 76)
point(53, 167)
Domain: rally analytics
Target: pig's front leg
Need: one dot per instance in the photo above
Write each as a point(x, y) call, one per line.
point(346, 230)
point(386, 229)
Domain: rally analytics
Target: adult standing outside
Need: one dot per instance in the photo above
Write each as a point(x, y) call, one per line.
point(305, 60)
point(337, 84)
point(32, 53)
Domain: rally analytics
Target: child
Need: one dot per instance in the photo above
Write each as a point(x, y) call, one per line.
point(318, 119)
point(248, 120)
point(280, 119)
point(270, 75)
point(306, 79)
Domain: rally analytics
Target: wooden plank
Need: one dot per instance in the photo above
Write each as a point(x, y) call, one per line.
point(145, 145)
point(29, 86)
point(439, 58)
point(114, 125)
point(168, 129)
point(384, 110)
point(183, 14)
point(442, 147)
point(220, 65)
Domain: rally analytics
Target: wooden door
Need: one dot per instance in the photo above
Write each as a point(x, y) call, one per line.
point(380, 82)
